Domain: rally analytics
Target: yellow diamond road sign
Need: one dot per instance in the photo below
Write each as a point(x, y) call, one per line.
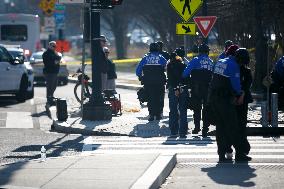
point(186, 29)
point(186, 8)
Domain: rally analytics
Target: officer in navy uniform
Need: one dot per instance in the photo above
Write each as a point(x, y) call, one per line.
point(150, 72)
point(200, 71)
point(224, 94)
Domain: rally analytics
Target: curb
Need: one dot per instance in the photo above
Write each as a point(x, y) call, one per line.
point(118, 85)
point(64, 127)
point(157, 173)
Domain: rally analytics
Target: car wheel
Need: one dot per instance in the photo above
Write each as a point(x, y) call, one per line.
point(30, 94)
point(21, 95)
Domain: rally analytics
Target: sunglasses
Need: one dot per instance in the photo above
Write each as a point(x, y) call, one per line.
point(107, 52)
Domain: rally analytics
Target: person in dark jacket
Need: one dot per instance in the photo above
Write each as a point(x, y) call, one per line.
point(51, 60)
point(150, 72)
point(242, 109)
point(178, 96)
point(111, 72)
point(199, 69)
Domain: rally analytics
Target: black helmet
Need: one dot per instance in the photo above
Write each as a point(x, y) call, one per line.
point(242, 56)
point(154, 47)
point(180, 52)
point(203, 49)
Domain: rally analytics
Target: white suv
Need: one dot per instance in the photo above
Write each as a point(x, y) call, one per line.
point(15, 76)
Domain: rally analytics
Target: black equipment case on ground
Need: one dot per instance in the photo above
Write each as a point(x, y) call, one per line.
point(61, 109)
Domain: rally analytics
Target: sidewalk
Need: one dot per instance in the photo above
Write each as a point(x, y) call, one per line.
point(98, 171)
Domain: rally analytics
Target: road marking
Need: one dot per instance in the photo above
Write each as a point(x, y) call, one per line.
point(190, 148)
point(20, 120)
point(32, 102)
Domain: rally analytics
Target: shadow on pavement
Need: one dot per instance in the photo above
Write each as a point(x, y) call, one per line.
point(231, 174)
point(6, 101)
point(54, 149)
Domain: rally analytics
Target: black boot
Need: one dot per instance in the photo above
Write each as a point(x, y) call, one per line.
point(195, 130)
point(204, 132)
point(223, 159)
point(242, 158)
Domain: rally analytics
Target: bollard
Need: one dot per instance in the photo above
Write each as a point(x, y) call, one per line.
point(264, 114)
point(274, 109)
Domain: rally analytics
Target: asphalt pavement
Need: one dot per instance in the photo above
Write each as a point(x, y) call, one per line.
point(138, 166)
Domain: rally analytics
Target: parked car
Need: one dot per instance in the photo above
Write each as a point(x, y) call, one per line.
point(37, 64)
point(16, 75)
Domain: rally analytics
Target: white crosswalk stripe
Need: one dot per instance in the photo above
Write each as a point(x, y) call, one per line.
point(190, 148)
point(18, 120)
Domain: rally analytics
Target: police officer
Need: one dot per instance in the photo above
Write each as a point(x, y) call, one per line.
point(178, 95)
point(150, 71)
point(225, 92)
point(200, 71)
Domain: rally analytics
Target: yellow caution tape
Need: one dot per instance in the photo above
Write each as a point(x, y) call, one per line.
point(136, 60)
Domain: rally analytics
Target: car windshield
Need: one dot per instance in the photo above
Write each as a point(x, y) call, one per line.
point(37, 56)
point(17, 54)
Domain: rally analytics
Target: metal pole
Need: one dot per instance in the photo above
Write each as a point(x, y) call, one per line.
point(185, 45)
point(274, 109)
point(267, 72)
point(97, 98)
point(205, 13)
point(83, 59)
point(264, 121)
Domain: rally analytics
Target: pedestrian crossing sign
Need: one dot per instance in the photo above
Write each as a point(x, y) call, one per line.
point(186, 8)
point(185, 29)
